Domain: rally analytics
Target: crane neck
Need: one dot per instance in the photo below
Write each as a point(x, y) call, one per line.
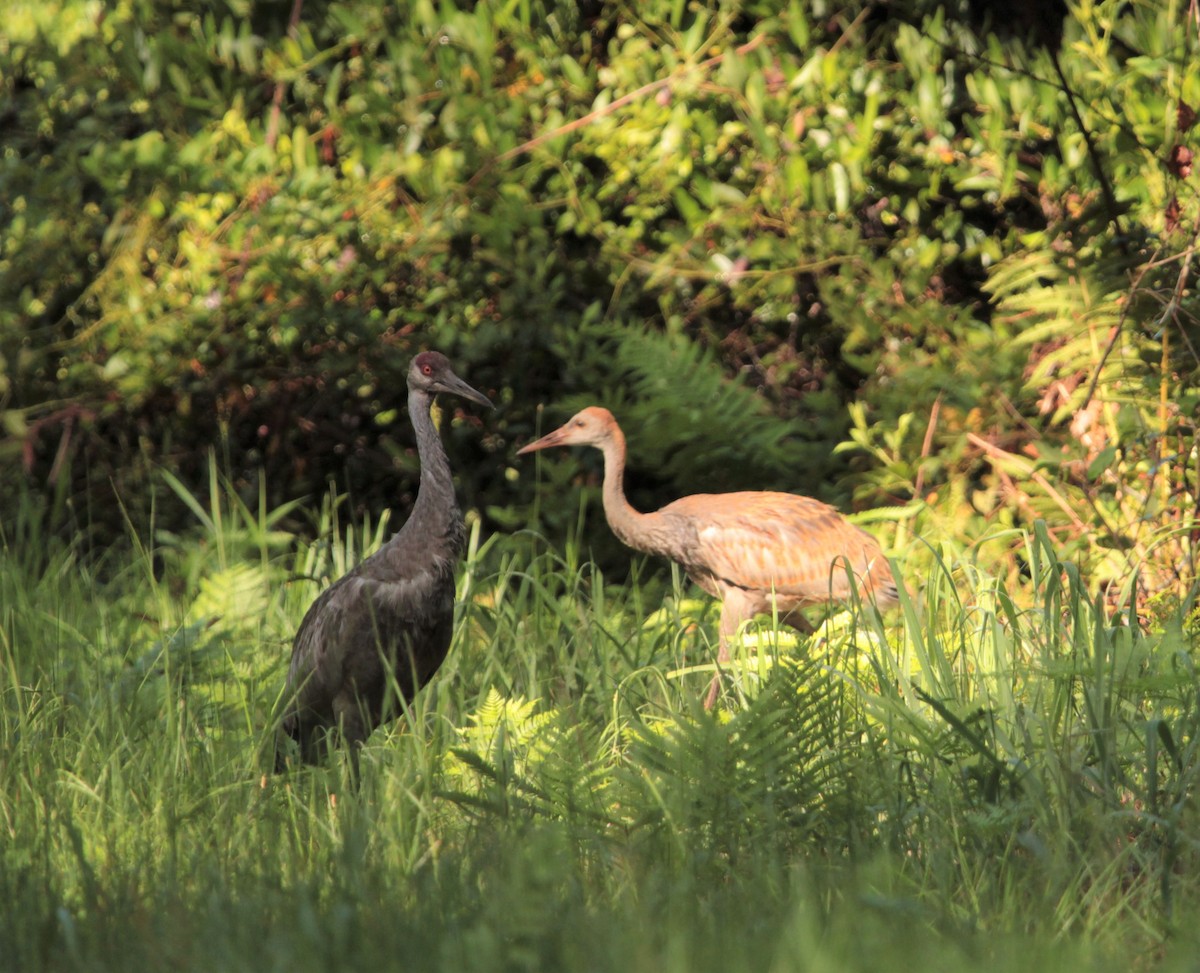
point(436, 491)
point(631, 526)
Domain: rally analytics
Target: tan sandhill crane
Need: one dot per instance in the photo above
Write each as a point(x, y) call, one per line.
point(747, 549)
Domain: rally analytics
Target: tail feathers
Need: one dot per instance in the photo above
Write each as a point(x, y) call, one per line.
point(883, 587)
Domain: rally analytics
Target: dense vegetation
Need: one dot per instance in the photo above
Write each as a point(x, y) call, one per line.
point(226, 229)
point(985, 786)
point(934, 266)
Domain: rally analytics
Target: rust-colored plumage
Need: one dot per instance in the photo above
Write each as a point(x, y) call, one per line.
point(753, 550)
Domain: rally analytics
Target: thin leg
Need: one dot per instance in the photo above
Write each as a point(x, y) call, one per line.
point(733, 613)
point(714, 687)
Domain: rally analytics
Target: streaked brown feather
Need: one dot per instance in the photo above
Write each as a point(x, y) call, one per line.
point(797, 547)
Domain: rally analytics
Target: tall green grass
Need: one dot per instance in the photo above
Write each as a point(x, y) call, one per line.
point(987, 779)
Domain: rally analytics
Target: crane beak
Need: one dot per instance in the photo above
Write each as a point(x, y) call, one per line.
point(453, 385)
point(556, 438)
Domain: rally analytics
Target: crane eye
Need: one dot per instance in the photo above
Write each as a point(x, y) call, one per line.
point(427, 369)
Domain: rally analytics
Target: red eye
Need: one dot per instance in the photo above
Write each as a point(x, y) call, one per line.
point(427, 369)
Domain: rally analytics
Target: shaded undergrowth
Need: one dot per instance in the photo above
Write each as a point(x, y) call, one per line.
point(988, 777)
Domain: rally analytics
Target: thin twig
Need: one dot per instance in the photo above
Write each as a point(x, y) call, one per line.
point(613, 106)
point(277, 98)
point(1106, 189)
point(995, 454)
point(1173, 307)
point(1112, 341)
point(927, 446)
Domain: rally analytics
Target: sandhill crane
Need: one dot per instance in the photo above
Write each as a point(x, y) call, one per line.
point(392, 615)
point(749, 549)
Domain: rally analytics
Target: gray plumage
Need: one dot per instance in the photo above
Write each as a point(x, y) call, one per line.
point(391, 617)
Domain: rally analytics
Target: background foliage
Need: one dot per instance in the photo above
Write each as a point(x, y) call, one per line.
point(230, 230)
point(928, 263)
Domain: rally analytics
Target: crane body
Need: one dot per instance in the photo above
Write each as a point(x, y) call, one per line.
point(755, 551)
point(388, 621)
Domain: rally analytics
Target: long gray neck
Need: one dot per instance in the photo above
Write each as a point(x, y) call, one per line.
point(435, 496)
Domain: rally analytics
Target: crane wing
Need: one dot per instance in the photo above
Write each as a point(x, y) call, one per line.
point(793, 545)
point(360, 618)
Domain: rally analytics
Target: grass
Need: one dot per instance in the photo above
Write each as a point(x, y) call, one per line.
point(993, 779)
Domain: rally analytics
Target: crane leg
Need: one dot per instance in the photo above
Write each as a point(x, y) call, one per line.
point(714, 687)
point(353, 723)
point(734, 611)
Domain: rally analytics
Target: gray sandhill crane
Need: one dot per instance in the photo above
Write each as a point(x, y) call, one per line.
point(391, 617)
point(750, 550)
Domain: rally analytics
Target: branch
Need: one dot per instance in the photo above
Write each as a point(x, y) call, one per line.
point(277, 98)
point(1106, 189)
point(996, 455)
point(642, 92)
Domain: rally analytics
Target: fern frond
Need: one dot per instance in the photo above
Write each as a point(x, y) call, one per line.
point(770, 773)
point(236, 596)
point(512, 758)
point(686, 419)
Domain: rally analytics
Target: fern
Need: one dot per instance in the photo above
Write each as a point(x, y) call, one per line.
point(513, 759)
point(684, 417)
point(1066, 323)
point(236, 598)
point(1101, 364)
point(776, 774)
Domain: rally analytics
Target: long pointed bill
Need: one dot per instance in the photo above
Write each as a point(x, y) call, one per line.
point(454, 385)
point(556, 438)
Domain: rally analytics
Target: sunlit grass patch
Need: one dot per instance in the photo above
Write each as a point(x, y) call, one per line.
point(983, 775)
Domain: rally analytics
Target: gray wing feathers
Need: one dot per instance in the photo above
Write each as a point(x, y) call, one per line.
point(362, 625)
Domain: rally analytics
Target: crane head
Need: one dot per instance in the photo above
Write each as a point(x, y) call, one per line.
point(592, 426)
point(430, 372)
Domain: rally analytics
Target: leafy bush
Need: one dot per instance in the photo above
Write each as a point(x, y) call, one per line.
point(226, 230)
